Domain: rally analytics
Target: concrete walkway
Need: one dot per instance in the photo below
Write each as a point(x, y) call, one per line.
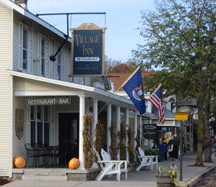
point(143, 178)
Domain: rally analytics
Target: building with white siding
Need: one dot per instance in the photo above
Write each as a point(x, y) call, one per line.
point(39, 102)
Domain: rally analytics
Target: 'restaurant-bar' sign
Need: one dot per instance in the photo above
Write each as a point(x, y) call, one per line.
point(87, 50)
point(49, 101)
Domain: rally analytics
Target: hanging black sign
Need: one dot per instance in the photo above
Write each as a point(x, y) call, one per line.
point(88, 51)
point(149, 131)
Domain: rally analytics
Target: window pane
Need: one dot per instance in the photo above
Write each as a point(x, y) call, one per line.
point(25, 48)
point(32, 112)
point(25, 36)
point(32, 133)
point(39, 134)
point(42, 66)
point(24, 59)
point(46, 134)
point(46, 110)
point(42, 48)
point(39, 113)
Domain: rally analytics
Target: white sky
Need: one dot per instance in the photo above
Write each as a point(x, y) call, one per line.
point(122, 20)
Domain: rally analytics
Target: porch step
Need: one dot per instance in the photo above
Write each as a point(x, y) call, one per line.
point(44, 174)
point(43, 178)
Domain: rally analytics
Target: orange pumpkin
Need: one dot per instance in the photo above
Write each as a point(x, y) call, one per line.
point(19, 162)
point(73, 163)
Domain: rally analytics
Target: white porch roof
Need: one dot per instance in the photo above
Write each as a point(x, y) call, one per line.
point(70, 89)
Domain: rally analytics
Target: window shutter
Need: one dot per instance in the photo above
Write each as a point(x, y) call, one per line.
point(20, 63)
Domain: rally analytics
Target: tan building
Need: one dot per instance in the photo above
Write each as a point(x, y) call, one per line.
point(39, 102)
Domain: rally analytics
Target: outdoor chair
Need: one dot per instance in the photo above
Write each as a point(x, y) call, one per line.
point(32, 153)
point(143, 160)
point(44, 153)
point(110, 167)
point(154, 157)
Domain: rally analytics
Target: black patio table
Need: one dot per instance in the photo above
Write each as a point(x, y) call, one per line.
point(49, 154)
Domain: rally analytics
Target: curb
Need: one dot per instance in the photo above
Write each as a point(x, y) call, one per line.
point(197, 178)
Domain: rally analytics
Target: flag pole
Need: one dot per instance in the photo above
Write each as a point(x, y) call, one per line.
point(130, 76)
point(155, 90)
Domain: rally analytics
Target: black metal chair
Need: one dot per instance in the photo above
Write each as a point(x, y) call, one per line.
point(54, 156)
point(32, 153)
point(43, 152)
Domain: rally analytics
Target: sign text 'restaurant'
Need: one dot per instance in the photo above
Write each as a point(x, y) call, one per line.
point(49, 101)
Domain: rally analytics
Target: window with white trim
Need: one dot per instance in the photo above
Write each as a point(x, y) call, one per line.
point(40, 132)
point(24, 63)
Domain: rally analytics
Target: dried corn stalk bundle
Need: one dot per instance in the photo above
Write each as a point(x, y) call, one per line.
point(121, 145)
point(130, 145)
point(113, 144)
point(87, 141)
point(138, 140)
point(98, 134)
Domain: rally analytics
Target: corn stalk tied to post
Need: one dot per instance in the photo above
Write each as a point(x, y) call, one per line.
point(99, 131)
point(121, 145)
point(87, 141)
point(130, 145)
point(138, 139)
point(113, 146)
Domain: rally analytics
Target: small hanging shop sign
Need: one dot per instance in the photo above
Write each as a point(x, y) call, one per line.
point(19, 123)
point(181, 116)
point(149, 131)
point(49, 101)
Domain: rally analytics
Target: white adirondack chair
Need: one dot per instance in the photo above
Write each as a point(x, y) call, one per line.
point(110, 167)
point(146, 160)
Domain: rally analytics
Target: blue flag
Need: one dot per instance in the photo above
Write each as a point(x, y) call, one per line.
point(133, 86)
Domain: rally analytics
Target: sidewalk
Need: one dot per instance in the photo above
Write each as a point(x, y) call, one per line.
point(143, 178)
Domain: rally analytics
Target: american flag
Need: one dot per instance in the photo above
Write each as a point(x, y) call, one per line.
point(156, 100)
point(173, 167)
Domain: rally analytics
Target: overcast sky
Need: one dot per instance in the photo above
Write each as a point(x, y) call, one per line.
point(122, 19)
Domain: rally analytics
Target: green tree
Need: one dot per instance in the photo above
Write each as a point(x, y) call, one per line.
point(180, 37)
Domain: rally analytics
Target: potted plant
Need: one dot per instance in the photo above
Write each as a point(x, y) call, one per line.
point(167, 177)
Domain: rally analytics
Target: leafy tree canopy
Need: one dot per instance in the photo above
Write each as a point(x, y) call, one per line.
point(180, 40)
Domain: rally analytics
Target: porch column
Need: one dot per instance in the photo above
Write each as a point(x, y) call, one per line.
point(109, 120)
point(81, 122)
point(118, 121)
point(127, 127)
point(95, 114)
point(135, 128)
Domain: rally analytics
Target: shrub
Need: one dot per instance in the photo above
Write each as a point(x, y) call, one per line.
point(154, 152)
point(4, 181)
